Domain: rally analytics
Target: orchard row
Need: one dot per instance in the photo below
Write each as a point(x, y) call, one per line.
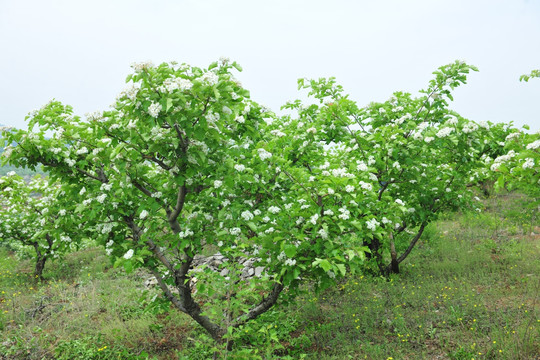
point(186, 163)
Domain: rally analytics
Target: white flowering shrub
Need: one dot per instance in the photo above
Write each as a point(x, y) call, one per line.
point(37, 216)
point(411, 158)
point(519, 167)
point(184, 164)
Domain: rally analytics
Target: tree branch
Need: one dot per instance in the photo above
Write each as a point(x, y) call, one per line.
point(265, 304)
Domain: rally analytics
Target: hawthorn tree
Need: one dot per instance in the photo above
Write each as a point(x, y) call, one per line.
point(37, 215)
point(183, 165)
point(413, 152)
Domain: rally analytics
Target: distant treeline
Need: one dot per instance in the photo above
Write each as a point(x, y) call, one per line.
point(20, 171)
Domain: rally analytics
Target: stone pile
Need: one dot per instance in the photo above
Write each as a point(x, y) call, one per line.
point(216, 263)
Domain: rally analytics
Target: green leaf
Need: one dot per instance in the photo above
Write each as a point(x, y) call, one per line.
point(128, 266)
point(342, 269)
point(357, 224)
point(322, 263)
point(169, 104)
point(290, 250)
point(252, 226)
point(236, 66)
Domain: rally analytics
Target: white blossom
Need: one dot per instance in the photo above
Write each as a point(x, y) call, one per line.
point(239, 167)
point(129, 254)
point(528, 164)
point(138, 67)
point(534, 145)
point(290, 262)
point(247, 215)
point(235, 231)
point(143, 214)
point(345, 214)
point(444, 132)
point(361, 166)
point(210, 78)
point(372, 224)
point(263, 154)
point(154, 109)
point(273, 209)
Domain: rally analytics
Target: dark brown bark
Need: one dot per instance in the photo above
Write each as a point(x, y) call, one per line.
point(390, 267)
point(40, 263)
point(394, 264)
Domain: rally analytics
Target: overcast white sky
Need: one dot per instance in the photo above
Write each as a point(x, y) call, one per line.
point(79, 51)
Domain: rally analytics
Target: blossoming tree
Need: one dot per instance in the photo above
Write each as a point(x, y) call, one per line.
point(183, 165)
point(37, 215)
point(413, 152)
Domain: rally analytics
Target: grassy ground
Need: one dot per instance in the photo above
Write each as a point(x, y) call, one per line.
point(471, 290)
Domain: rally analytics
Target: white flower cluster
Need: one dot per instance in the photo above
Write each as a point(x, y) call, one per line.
point(143, 215)
point(263, 154)
point(176, 83)
point(185, 233)
point(247, 215)
point(502, 159)
point(277, 133)
point(345, 214)
point(129, 254)
point(528, 164)
point(452, 120)
point(142, 66)
point(274, 209)
point(361, 166)
point(512, 136)
point(469, 128)
point(235, 231)
point(534, 145)
point(366, 186)
point(130, 92)
point(82, 151)
point(372, 224)
point(239, 167)
point(341, 172)
point(210, 78)
point(444, 132)
point(403, 118)
point(154, 109)
point(323, 233)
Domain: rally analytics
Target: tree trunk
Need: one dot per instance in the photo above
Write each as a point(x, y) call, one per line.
point(394, 264)
point(393, 267)
point(40, 264)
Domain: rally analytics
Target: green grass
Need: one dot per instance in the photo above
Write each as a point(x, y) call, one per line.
point(470, 290)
